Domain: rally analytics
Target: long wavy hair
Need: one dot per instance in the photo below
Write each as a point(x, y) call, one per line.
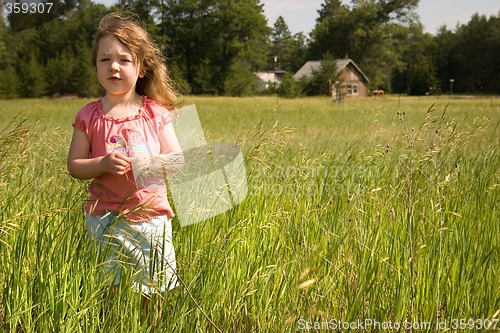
point(154, 81)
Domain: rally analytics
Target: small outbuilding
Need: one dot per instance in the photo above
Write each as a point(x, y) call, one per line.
point(349, 78)
point(269, 79)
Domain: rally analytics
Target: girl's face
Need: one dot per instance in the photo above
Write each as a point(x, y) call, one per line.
point(117, 69)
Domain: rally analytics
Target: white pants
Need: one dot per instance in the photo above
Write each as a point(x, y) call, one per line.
point(144, 247)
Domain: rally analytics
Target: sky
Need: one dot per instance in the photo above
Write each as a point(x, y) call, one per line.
point(300, 15)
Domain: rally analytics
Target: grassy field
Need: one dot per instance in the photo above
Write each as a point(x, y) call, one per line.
point(374, 211)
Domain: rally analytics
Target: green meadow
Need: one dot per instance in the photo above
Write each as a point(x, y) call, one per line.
point(378, 210)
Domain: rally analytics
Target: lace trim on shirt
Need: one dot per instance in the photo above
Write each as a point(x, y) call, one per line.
point(121, 119)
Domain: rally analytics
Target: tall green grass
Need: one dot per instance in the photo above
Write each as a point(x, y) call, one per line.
point(380, 209)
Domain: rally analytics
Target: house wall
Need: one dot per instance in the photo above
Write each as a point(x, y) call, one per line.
point(351, 76)
point(268, 79)
point(348, 72)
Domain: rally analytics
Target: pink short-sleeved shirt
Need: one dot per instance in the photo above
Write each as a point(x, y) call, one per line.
point(134, 136)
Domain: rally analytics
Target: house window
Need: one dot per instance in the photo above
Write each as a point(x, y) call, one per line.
point(352, 89)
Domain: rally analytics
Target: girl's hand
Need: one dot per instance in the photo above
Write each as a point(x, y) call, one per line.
point(115, 164)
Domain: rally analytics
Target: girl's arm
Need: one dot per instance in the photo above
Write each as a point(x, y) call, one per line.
point(82, 167)
point(171, 152)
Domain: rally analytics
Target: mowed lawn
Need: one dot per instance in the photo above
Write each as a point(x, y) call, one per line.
point(379, 210)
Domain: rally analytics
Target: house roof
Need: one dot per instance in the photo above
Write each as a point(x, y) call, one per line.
point(311, 66)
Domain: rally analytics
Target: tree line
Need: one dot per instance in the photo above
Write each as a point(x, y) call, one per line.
point(215, 47)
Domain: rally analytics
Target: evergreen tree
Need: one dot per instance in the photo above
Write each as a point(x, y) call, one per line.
point(33, 82)
point(207, 37)
point(320, 83)
point(84, 76)
point(58, 73)
point(282, 46)
point(477, 58)
point(214, 46)
point(418, 76)
point(362, 32)
point(3, 44)
point(443, 55)
point(289, 88)
point(241, 81)
point(9, 84)
point(332, 30)
point(300, 52)
point(472, 62)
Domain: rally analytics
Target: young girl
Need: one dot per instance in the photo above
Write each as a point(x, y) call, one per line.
point(126, 143)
